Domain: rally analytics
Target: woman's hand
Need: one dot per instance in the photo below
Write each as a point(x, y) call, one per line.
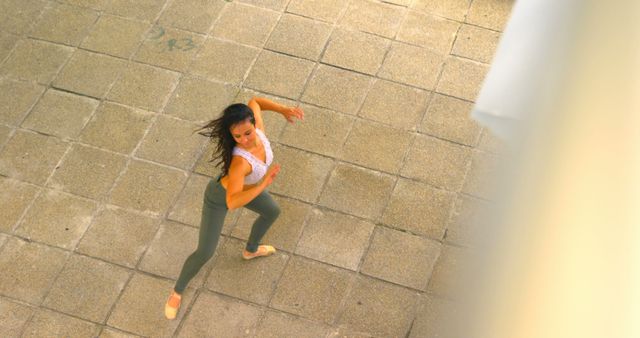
point(290, 112)
point(270, 175)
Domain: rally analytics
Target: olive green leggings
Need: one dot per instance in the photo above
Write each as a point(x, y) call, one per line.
point(214, 211)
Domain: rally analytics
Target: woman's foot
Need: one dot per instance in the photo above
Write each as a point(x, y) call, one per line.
point(263, 250)
point(172, 306)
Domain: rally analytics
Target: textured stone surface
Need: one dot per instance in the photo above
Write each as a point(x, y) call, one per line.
point(13, 317)
point(319, 300)
point(325, 10)
point(115, 127)
point(144, 87)
point(492, 14)
point(116, 36)
point(17, 16)
point(16, 99)
point(234, 318)
point(336, 89)
point(357, 191)
point(87, 288)
point(395, 104)
point(276, 5)
point(376, 146)
point(335, 238)
point(476, 43)
point(437, 162)
point(401, 258)
point(89, 74)
point(35, 60)
point(253, 280)
point(87, 172)
point(411, 65)
point(451, 9)
point(279, 74)
point(7, 41)
point(373, 17)
point(147, 10)
point(31, 157)
point(428, 31)
point(355, 50)
point(118, 236)
point(433, 318)
point(247, 25)
point(462, 78)
point(223, 61)
point(278, 324)
point(169, 48)
point(299, 36)
point(64, 24)
point(29, 269)
point(191, 15)
point(49, 323)
point(15, 196)
point(57, 218)
point(480, 175)
point(60, 114)
point(380, 308)
point(447, 272)
point(200, 100)
point(450, 118)
point(419, 208)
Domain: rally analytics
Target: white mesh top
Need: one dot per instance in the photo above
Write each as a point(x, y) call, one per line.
point(258, 168)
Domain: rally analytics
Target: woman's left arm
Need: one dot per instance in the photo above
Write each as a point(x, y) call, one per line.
point(262, 103)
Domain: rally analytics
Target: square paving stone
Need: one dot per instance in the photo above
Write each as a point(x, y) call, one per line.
point(279, 74)
point(87, 172)
point(188, 208)
point(17, 16)
point(200, 100)
point(428, 31)
point(47, 323)
point(60, 114)
point(29, 269)
point(433, 318)
point(373, 17)
point(337, 89)
point(403, 3)
point(278, 325)
point(204, 166)
point(93, 4)
point(191, 15)
point(480, 175)
point(395, 104)
point(466, 220)
point(147, 10)
point(357, 191)
point(437, 162)
point(118, 236)
point(173, 142)
point(64, 24)
point(244, 24)
point(165, 258)
point(311, 290)
point(335, 238)
point(13, 317)
point(144, 86)
point(117, 128)
point(31, 157)
point(253, 281)
point(148, 187)
point(15, 196)
point(302, 174)
point(57, 218)
point(169, 48)
point(345, 332)
point(299, 36)
point(35, 60)
point(491, 143)
point(232, 318)
point(380, 308)
point(376, 146)
point(401, 258)
point(322, 131)
point(90, 74)
point(412, 65)
point(139, 308)
point(5, 133)
point(462, 78)
point(451, 9)
point(111, 333)
point(7, 41)
point(476, 43)
point(491, 14)
point(223, 60)
point(276, 5)
point(450, 118)
point(16, 99)
point(447, 273)
point(116, 36)
point(325, 10)
point(355, 50)
point(87, 288)
point(419, 208)
point(284, 232)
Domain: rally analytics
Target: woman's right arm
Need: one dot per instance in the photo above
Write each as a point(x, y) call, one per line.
point(237, 197)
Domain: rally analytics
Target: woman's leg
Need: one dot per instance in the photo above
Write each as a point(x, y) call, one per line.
point(214, 211)
point(268, 210)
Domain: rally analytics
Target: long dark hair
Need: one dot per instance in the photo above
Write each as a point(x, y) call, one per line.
point(219, 132)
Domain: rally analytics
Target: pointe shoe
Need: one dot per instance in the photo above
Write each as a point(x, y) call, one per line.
point(172, 305)
point(263, 250)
